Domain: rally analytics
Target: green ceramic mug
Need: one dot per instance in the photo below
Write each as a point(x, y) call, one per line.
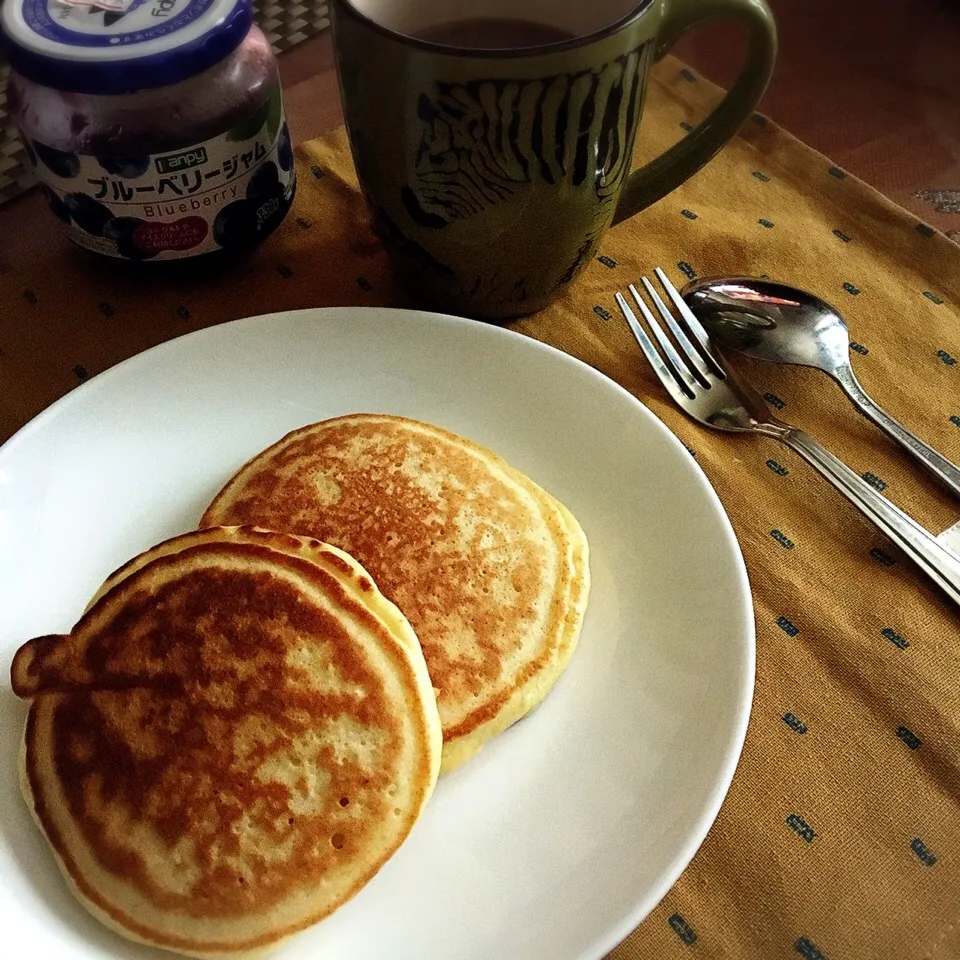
point(493, 138)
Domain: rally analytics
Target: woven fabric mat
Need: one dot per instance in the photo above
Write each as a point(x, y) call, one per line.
point(288, 23)
point(15, 173)
point(285, 24)
point(840, 837)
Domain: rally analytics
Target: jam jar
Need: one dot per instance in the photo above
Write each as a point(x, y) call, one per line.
point(155, 127)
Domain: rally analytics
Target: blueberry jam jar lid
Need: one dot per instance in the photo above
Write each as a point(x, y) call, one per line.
point(80, 47)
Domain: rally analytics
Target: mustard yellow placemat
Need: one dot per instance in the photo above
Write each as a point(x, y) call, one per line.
point(840, 837)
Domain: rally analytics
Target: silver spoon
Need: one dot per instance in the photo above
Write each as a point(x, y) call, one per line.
point(781, 324)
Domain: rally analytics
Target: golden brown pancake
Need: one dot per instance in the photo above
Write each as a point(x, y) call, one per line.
point(230, 743)
point(490, 570)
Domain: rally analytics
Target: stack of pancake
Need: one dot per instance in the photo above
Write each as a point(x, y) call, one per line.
point(247, 721)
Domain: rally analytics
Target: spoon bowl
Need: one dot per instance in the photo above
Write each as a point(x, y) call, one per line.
point(771, 321)
point(781, 324)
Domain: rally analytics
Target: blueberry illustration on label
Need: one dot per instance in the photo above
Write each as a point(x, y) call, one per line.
point(122, 230)
point(265, 183)
point(87, 213)
point(129, 250)
point(285, 150)
point(236, 225)
point(128, 167)
point(65, 165)
point(59, 208)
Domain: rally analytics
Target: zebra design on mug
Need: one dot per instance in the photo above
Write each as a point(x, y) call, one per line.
point(481, 141)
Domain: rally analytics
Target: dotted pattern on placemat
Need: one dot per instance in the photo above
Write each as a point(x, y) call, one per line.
point(285, 24)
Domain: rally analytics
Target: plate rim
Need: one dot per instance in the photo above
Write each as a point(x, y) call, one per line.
point(646, 903)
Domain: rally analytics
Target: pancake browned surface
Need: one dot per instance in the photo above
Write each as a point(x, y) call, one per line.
point(490, 570)
point(230, 743)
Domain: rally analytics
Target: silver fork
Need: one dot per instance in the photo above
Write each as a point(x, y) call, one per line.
point(702, 386)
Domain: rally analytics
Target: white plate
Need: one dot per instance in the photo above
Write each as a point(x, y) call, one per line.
point(561, 835)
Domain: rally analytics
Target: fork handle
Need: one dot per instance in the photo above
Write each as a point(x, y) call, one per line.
point(940, 564)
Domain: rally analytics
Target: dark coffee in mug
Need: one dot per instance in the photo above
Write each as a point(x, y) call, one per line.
point(493, 33)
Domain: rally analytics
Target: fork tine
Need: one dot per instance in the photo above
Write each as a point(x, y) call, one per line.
point(694, 360)
point(693, 325)
point(680, 369)
point(676, 388)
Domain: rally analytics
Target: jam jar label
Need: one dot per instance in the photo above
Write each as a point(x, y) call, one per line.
point(223, 194)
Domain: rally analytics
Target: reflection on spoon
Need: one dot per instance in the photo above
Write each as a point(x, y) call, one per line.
point(736, 291)
point(781, 324)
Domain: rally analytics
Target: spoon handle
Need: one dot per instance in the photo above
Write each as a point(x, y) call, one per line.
point(940, 564)
point(936, 463)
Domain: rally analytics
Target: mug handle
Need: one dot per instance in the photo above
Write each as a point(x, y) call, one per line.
point(665, 173)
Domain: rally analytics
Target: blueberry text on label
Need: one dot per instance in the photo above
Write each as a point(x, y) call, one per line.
point(607, 262)
point(765, 223)
point(858, 348)
point(774, 401)
point(875, 481)
point(687, 270)
point(795, 723)
point(762, 177)
point(845, 237)
point(778, 469)
point(933, 297)
point(689, 214)
point(947, 358)
point(601, 313)
point(851, 289)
